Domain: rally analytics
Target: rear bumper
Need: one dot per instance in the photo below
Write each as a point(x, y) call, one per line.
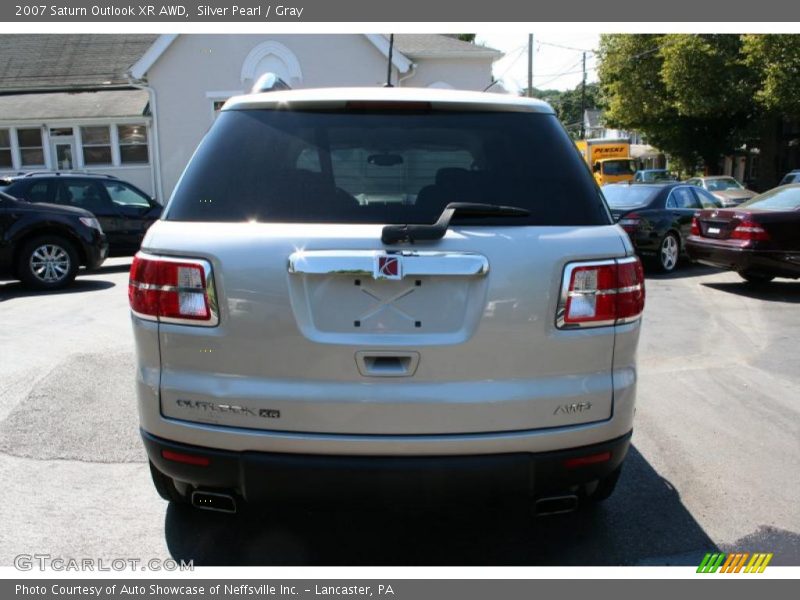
point(304, 478)
point(779, 264)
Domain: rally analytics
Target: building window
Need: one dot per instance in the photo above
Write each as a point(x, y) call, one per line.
point(217, 106)
point(31, 151)
point(96, 143)
point(132, 144)
point(5, 149)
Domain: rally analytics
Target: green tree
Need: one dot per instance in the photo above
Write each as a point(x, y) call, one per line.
point(692, 95)
point(775, 59)
point(567, 104)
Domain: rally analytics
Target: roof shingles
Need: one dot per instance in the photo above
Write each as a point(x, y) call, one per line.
point(68, 61)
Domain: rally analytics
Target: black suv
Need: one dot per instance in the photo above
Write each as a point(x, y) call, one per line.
point(124, 211)
point(45, 244)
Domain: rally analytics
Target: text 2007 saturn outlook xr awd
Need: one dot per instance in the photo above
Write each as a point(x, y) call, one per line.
point(386, 294)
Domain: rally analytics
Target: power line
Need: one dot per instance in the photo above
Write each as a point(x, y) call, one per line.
point(567, 47)
point(565, 70)
point(510, 66)
point(560, 75)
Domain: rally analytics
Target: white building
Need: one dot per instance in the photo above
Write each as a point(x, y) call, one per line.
point(136, 106)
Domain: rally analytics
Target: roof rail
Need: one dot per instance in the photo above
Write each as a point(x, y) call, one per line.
point(269, 82)
point(58, 173)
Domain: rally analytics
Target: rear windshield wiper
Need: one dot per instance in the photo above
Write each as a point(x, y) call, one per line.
point(393, 234)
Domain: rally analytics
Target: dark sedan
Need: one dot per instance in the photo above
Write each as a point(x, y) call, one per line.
point(759, 239)
point(125, 212)
point(657, 217)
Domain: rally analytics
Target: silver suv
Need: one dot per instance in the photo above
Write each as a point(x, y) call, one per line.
point(386, 294)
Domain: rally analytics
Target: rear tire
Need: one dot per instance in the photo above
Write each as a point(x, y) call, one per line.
point(669, 251)
point(47, 262)
point(165, 486)
point(756, 278)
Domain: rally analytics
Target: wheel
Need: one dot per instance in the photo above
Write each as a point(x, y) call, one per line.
point(756, 278)
point(47, 262)
point(668, 252)
point(165, 486)
point(605, 487)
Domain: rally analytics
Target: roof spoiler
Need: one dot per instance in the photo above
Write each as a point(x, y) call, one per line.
point(269, 82)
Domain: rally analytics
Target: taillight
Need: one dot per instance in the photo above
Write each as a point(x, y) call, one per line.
point(172, 290)
point(188, 459)
point(583, 461)
point(594, 294)
point(630, 222)
point(695, 227)
point(749, 230)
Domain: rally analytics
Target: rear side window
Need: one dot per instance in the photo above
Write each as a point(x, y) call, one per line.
point(384, 167)
point(629, 196)
point(38, 192)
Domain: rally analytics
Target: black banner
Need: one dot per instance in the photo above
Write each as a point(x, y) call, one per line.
point(333, 11)
point(389, 589)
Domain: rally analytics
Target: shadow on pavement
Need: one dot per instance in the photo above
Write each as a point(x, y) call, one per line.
point(643, 520)
point(123, 267)
point(15, 289)
point(774, 291)
point(684, 270)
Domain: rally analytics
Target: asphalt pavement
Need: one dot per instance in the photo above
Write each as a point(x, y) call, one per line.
point(714, 463)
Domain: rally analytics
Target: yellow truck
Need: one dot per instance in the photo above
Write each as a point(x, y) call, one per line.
point(609, 159)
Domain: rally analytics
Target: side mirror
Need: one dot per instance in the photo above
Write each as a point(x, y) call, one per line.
point(596, 167)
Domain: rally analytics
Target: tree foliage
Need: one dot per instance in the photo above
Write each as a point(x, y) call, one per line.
point(567, 104)
point(776, 60)
point(698, 97)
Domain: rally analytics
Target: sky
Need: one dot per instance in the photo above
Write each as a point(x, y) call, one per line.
point(554, 67)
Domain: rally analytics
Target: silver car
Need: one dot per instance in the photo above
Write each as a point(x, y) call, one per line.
point(397, 295)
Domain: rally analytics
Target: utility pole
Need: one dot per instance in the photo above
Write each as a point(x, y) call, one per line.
point(583, 100)
point(389, 64)
point(530, 65)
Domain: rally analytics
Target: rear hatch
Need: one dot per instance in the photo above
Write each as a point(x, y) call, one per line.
point(324, 328)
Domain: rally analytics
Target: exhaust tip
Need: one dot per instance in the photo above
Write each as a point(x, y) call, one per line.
point(556, 505)
point(214, 501)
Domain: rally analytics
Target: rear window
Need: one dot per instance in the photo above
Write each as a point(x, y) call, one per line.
point(384, 167)
point(629, 196)
point(781, 198)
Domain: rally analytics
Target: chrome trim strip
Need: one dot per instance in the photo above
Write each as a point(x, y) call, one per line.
point(608, 292)
point(363, 263)
point(166, 288)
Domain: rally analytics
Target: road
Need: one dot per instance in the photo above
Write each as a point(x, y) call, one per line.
point(714, 463)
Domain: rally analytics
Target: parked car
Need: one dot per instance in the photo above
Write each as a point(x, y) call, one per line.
point(653, 175)
point(657, 217)
point(124, 211)
point(759, 239)
point(726, 189)
point(400, 295)
point(791, 177)
point(44, 244)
